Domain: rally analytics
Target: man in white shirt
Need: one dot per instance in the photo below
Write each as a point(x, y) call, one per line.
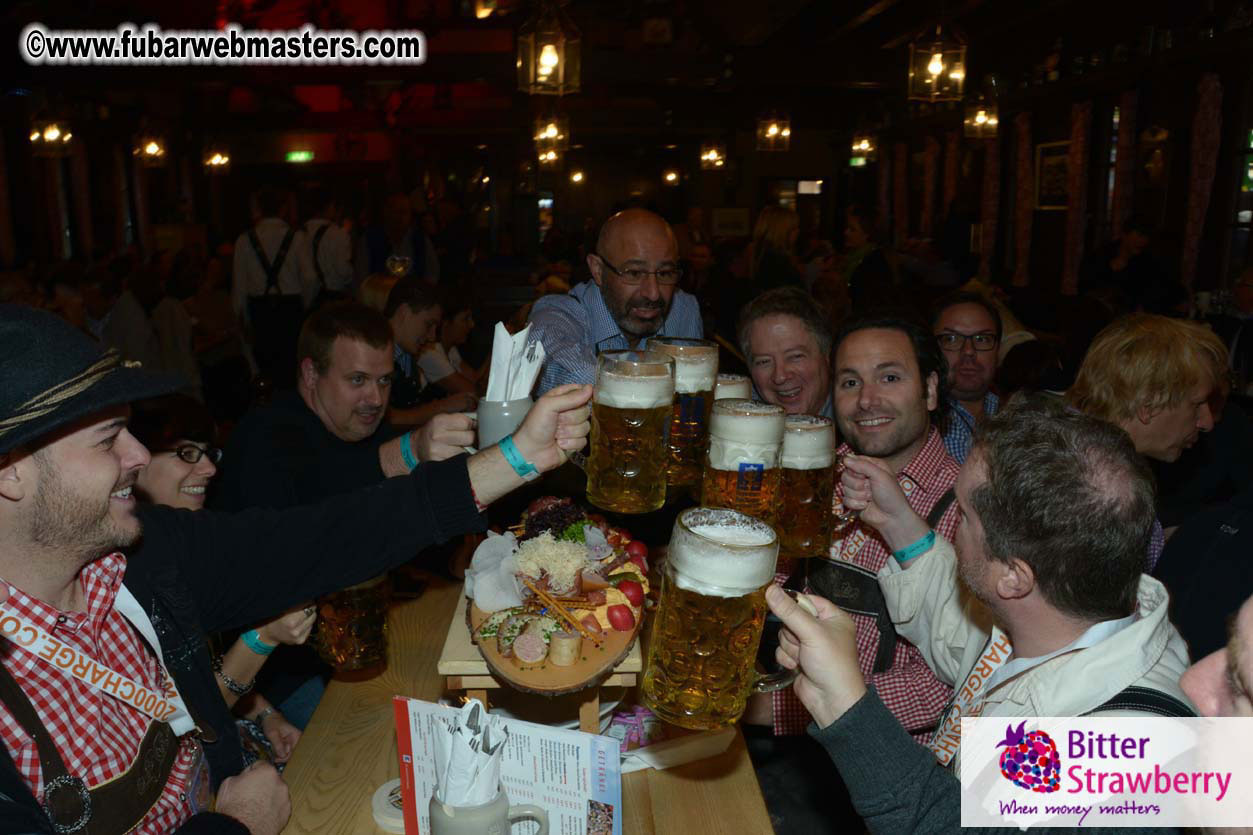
point(295, 273)
point(274, 284)
point(330, 249)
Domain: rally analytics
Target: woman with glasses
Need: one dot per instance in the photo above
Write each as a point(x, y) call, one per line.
point(178, 432)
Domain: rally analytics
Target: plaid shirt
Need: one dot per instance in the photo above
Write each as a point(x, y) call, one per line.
point(97, 735)
point(908, 687)
point(577, 326)
point(959, 429)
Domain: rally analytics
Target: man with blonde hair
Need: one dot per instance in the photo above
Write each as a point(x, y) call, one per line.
point(1152, 376)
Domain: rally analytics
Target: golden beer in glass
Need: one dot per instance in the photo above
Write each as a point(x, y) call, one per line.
point(742, 466)
point(700, 669)
point(808, 485)
point(733, 385)
point(695, 369)
point(628, 449)
point(351, 633)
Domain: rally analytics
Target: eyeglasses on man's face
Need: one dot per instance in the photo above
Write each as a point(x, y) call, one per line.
point(635, 275)
point(953, 341)
point(192, 453)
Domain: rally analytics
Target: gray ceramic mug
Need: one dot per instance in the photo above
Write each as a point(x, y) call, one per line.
point(495, 817)
point(498, 418)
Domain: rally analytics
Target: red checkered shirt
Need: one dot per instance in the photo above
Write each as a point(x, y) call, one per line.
point(908, 687)
point(97, 735)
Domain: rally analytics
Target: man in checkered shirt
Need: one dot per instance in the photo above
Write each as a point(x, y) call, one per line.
point(110, 718)
point(968, 330)
point(889, 377)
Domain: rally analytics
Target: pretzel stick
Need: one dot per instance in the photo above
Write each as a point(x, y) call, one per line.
point(552, 603)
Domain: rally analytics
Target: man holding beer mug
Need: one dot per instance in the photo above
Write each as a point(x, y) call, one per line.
point(787, 343)
point(73, 561)
point(889, 377)
point(633, 295)
point(1060, 602)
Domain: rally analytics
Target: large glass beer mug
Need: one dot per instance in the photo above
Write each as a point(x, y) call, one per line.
point(808, 484)
point(732, 385)
point(695, 369)
point(631, 408)
point(742, 465)
point(351, 632)
point(701, 660)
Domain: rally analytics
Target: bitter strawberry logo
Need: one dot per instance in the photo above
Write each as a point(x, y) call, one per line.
point(1030, 760)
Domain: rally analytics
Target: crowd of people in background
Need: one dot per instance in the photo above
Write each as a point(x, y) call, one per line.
point(322, 358)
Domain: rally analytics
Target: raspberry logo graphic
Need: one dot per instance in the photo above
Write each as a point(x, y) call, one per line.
point(1030, 760)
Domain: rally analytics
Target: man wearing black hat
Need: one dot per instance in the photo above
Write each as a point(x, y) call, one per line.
point(105, 677)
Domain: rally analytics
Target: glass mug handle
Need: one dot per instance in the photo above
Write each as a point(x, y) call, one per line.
point(529, 811)
point(770, 682)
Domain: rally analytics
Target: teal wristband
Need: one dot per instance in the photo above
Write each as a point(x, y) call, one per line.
point(917, 549)
point(524, 468)
point(254, 642)
point(406, 451)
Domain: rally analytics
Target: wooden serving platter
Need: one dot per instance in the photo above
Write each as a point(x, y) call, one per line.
point(595, 665)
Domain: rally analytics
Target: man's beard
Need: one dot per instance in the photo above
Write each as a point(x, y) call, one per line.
point(63, 521)
point(639, 328)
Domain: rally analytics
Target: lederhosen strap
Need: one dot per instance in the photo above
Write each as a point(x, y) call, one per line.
point(317, 244)
point(1146, 700)
point(116, 806)
point(856, 589)
point(271, 268)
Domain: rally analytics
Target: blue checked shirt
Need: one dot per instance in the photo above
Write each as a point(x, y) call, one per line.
point(577, 326)
point(959, 430)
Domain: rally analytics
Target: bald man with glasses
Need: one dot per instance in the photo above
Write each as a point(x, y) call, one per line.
point(633, 295)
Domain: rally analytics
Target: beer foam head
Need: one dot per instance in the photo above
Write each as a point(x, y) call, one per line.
point(745, 432)
point(695, 362)
point(722, 553)
point(808, 442)
point(634, 380)
point(732, 385)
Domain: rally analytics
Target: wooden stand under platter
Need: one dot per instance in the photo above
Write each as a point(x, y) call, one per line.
point(465, 669)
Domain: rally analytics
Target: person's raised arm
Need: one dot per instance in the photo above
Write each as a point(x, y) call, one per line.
point(443, 437)
point(871, 489)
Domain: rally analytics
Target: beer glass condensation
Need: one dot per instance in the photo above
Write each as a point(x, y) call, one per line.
point(695, 370)
point(808, 484)
point(701, 659)
point(631, 409)
point(742, 465)
point(732, 385)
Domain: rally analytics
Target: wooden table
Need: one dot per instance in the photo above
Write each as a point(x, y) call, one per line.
point(349, 749)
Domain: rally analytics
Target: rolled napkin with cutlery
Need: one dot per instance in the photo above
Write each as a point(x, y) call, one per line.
point(516, 363)
point(468, 797)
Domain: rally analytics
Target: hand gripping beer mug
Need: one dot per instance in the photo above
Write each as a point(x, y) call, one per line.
point(701, 660)
point(742, 466)
point(695, 369)
point(631, 408)
point(732, 385)
point(808, 484)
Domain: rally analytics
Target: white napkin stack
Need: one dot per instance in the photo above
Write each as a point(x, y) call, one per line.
point(516, 362)
point(467, 759)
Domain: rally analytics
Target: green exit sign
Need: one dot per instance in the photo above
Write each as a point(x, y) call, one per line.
point(300, 156)
point(857, 162)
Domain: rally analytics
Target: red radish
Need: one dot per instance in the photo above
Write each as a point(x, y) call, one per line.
point(639, 562)
point(637, 549)
point(634, 592)
point(621, 618)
